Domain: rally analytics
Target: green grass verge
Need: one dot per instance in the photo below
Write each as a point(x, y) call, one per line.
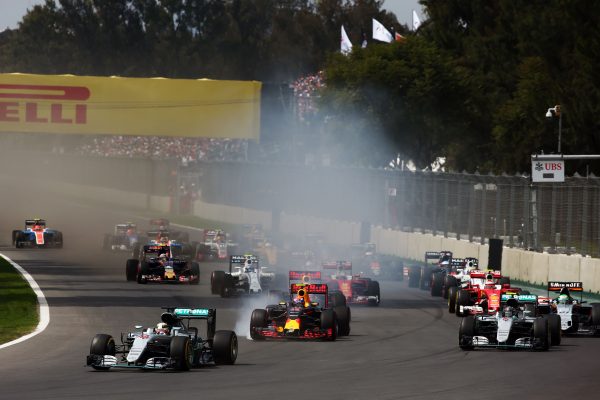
point(18, 304)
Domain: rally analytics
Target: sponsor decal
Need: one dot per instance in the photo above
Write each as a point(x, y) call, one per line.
point(43, 104)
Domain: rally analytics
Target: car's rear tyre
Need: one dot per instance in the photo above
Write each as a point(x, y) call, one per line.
point(227, 286)
point(463, 298)
point(452, 292)
point(466, 332)
point(143, 271)
point(225, 347)
point(180, 351)
point(373, 290)
point(449, 281)
point(540, 334)
point(343, 318)
point(131, 269)
point(555, 329)
point(329, 321)
point(336, 299)
point(437, 283)
point(425, 278)
point(596, 317)
point(414, 274)
point(217, 279)
point(102, 345)
point(195, 271)
point(259, 319)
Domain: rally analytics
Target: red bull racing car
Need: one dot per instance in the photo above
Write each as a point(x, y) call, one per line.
point(162, 263)
point(306, 316)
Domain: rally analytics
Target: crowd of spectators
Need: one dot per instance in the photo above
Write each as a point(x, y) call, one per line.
point(186, 150)
point(306, 91)
point(190, 150)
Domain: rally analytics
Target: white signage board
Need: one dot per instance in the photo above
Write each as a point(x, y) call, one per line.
point(547, 171)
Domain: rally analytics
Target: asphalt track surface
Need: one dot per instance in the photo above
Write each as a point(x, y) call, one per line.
point(404, 349)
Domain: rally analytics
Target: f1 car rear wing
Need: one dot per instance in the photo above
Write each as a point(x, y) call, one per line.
point(338, 265)
point(159, 222)
point(572, 286)
point(566, 288)
point(304, 277)
point(240, 261)
point(32, 222)
point(310, 288)
point(209, 314)
point(457, 262)
point(434, 257)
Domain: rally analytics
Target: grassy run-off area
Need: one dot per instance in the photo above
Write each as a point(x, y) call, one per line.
point(18, 304)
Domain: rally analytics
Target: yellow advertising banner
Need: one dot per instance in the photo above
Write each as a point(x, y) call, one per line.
point(129, 106)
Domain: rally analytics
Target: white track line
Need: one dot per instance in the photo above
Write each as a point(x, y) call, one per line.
point(44, 309)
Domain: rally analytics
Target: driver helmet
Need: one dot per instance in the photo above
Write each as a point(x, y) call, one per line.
point(162, 328)
point(508, 311)
point(563, 299)
point(162, 257)
point(298, 301)
point(489, 280)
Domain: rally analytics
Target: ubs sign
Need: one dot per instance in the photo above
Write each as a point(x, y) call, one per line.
point(547, 171)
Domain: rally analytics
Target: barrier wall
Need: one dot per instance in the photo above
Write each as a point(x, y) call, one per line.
point(532, 267)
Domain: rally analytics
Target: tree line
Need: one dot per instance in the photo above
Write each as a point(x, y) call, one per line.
point(472, 84)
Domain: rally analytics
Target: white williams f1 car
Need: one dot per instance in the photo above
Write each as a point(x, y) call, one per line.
point(245, 276)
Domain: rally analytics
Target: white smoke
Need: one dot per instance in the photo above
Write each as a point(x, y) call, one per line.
point(242, 325)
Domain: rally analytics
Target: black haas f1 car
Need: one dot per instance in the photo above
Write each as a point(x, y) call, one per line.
point(162, 263)
point(516, 325)
point(422, 275)
point(245, 276)
point(575, 317)
point(36, 234)
point(160, 226)
point(306, 316)
point(355, 288)
point(174, 344)
point(125, 238)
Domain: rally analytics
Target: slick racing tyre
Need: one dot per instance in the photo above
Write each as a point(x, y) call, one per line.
point(414, 274)
point(555, 329)
point(102, 345)
point(143, 271)
point(195, 271)
point(180, 351)
point(541, 340)
point(225, 347)
point(596, 317)
point(449, 281)
point(466, 333)
point(131, 269)
point(373, 290)
point(437, 283)
point(217, 279)
point(329, 321)
point(463, 298)
point(452, 292)
point(336, 299)
point(343, 317)
point(259, 319)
